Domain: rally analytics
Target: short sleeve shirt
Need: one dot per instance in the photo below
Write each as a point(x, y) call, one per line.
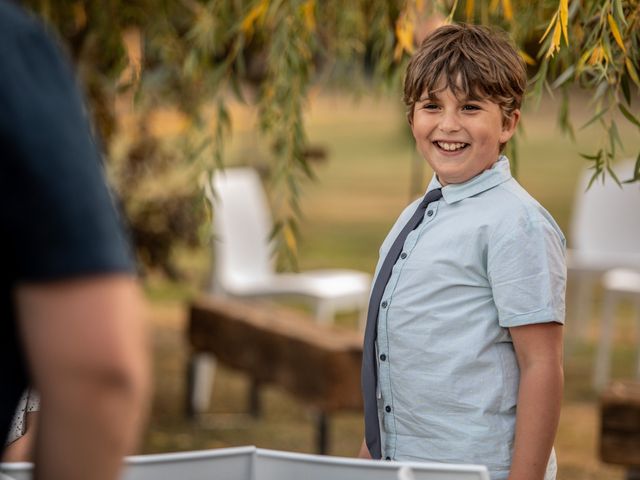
point(486, 257)
point(57, 219)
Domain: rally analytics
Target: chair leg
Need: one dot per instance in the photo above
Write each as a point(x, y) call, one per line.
point(255, 405)
point(603, 356)
point(201, 372)
point(362, 319)
point(324, 312)
point(637, 305)
point(322, 433)
point(582, 305)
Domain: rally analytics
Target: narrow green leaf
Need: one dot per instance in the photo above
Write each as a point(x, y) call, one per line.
point(636, 172)
point(620, 12)
point(613, 174)
point(626, 91)
point(628, 115)
point(590, 157)
point(593, 178)
point(601, 89)
point(563, 77)
point(615, 136)
point(595, 118)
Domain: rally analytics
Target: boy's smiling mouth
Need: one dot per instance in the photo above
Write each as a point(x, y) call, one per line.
point(450, 146)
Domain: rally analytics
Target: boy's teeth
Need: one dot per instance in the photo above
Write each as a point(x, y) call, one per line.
point(450, 146)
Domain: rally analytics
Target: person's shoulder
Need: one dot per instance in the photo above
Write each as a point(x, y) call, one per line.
point(514, 207)
point(15, 22)
point(512, 199)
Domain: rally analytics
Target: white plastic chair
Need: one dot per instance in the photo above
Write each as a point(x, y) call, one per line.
point(276, 465)
point(619, 284)
point(244, 265)
point(605, 234)
point(251, 463)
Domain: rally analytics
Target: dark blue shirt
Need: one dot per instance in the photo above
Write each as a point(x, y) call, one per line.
point(57, 220)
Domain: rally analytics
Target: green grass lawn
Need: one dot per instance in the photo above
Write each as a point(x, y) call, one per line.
point(361, 188)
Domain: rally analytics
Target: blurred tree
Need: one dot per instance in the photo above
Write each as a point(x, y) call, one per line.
point(269, 53)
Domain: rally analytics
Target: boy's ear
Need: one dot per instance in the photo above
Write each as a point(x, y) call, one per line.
point(509, 126)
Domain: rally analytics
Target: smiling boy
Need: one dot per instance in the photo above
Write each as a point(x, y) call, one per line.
point(467, 336)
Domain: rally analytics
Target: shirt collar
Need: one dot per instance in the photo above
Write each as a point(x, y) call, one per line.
point(492, 177)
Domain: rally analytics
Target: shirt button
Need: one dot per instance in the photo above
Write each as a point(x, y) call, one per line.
point(384, 304)
point(383, 357)
point(429, 213)
point(387, 408)
point(403, 256)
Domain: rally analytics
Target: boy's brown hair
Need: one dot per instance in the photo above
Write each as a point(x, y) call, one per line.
point(473, 61)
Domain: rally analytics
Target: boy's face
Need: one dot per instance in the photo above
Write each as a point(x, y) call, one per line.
point(459, 138)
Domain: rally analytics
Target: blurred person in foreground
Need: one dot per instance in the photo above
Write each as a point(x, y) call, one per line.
point(71, 320)
point(463, 346)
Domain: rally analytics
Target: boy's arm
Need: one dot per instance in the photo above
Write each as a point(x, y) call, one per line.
point(364, 451)
point(539, 352)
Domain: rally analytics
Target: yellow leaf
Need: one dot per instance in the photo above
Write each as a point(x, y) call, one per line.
point(255, 14)
point(309, 16)
point(564, 19)
point(583, 59)
point(493, 6)
point(404, 35)
point(508, 9)
point(469, 9)
point(616, 32)
point(551, 24)
point(632, 71)
point(79, 15)
point(555, 40)
point(290, 238)
point(527, 58)
point(597, 55)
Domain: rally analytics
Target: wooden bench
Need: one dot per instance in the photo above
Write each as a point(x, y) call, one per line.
point(317, 364)
point(620, 426)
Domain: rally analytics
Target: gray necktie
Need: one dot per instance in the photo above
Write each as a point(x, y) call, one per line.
point(369, 373)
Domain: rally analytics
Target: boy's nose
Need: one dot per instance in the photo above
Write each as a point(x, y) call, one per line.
point(449, 122)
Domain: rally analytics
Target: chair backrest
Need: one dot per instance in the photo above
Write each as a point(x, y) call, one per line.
point(606, 218)
point(225, 463)
point(242, 225)
point(16, 471)
point(251, 463)
point(277, 465)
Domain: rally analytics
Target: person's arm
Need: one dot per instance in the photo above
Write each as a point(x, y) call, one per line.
point(21, 450)
point(364, 451)
point(87, 351)
point(539, 352)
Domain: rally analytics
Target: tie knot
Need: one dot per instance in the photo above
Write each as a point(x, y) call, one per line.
point(432, 196)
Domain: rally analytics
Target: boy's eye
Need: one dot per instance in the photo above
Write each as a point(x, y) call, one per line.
point(470, 107)
point(430, 106)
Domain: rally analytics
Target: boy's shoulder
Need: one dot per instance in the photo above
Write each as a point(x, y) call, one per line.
point(512, 207)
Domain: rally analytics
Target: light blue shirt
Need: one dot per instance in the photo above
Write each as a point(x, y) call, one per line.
point(486, 257)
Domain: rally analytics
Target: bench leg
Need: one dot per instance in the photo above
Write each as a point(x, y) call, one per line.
point(633, 473)
point(322, 433)
point(603, 354)
point(255, 406)
point(200, 374)
point(582, 287)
